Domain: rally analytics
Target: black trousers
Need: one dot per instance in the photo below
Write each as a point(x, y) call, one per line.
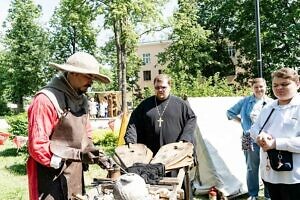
point(283, 191)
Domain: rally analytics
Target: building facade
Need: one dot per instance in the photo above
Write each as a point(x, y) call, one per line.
point(148, 53)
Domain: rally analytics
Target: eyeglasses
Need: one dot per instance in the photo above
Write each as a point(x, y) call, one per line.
point(160, 87)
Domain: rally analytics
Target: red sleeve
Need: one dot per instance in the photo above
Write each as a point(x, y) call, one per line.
point(42, 118)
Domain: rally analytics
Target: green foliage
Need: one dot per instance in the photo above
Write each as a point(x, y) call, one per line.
point(235, 20)
point(25, 51)
point(72, 29)
point(207, 87)
point(100, 87)
point(18, 124)
point(193, 51)
point(124, 18)
point(106, 139)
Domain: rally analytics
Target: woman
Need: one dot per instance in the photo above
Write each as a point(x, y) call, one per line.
point(281, 132)
point(246, 111)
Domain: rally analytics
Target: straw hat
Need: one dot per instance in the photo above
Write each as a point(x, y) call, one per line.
point(82, 63)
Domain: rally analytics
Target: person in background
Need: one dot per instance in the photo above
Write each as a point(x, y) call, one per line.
point(161, 119)
point(93, 107)
point(281, 132)
point(103, 107)
point(59, 132)
point(246, 112)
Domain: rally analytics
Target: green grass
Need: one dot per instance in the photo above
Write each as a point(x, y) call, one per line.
point(13, 177)
point(14, 185)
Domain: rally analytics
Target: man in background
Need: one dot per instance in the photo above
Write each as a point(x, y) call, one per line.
point(161, 119)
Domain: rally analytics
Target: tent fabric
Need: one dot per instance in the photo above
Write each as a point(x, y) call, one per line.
point(221, 163)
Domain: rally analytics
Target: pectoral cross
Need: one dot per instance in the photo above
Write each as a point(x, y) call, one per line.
point(159, 121)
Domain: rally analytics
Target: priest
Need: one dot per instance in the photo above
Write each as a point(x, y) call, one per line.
point(161, 119)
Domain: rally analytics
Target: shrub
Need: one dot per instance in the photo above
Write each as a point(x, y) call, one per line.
point(106, 139)
point(18, 124)
point(214, 86)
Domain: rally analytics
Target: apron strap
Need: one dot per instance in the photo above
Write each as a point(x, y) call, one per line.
point(53, 100)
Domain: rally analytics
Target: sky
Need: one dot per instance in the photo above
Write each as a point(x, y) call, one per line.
point(48, 7)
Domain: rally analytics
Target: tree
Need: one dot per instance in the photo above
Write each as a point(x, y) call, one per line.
point(218, 23)
point(123, 17)
point(3, 101)
point(72, 29)
point(190, 51)
point(235, 20)
point(280, 34)
point(25, 51)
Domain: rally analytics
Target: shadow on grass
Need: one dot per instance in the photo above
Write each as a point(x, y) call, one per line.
point(13, 152)
point(9, 152)
point(17, 169)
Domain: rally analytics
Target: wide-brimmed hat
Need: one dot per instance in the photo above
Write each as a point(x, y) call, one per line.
point(83, 63)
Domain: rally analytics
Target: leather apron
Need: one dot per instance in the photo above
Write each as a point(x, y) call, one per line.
point(68, 139)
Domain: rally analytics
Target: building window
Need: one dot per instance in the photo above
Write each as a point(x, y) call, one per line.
point(147, 75)
point(159, 71)
point(146, 58)
point(231, 51)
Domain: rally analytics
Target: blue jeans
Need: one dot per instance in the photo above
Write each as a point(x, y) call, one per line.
point(252, 161)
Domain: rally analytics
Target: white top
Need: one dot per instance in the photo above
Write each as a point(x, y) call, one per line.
point(256, 109)
point(93, 107)
point(284, 125)
point(103, 107)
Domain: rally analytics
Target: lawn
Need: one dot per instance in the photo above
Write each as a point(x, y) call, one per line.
point(13, 176)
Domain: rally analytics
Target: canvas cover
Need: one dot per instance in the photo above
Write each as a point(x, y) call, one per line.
point(218, 147)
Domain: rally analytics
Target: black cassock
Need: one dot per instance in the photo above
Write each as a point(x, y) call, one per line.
point(179, 122)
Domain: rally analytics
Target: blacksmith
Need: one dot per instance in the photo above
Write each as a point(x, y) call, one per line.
point(60, 144)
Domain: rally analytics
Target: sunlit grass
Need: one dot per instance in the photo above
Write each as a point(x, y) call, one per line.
point(14, 185)
point(13, 177)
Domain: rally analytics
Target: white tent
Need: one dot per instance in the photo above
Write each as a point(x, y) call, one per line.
point(218, 147)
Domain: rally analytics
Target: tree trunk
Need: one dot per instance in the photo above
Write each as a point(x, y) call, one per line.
point(123, 69)
point(20, 105)
point(118, 47)
point(73, 39)
point(121, 61)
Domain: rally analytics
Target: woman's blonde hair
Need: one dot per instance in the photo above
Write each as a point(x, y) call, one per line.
point(257, 80)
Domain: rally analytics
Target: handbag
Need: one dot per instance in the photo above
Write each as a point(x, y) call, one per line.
point(279, 160)
point(247, 143)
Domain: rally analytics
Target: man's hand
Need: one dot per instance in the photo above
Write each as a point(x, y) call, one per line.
point(104, 162)
point(89, 155)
